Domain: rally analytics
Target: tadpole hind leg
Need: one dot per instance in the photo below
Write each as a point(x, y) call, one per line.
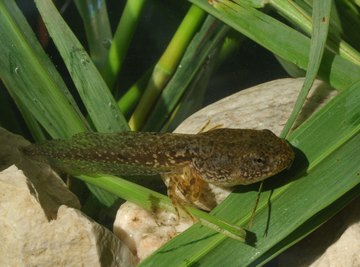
point(197, 191)
point(178, 203)
point(190, 186)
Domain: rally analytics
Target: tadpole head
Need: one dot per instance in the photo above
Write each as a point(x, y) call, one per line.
point(245, 157)
point(264, 161)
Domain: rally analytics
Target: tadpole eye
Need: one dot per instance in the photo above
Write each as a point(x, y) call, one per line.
point(259, 161)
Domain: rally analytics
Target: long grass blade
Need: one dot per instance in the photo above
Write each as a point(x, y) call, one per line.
point(97, 28)
point(88, 81)
point(32, 79)
point(325, 173)
point(152, 201)
point(321, 18)
point(299, 14)
point(282, 40)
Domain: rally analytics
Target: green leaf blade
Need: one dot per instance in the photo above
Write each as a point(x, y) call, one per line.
point(321, 18)
point(89, 83)
point(329, 171)
point(32, 79)
point(282, 40)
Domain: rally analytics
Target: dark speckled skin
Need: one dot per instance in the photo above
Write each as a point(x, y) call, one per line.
point(223, 157)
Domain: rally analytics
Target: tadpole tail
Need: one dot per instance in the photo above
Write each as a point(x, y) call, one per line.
point(34, 152)
point(125, 153)
point(45, 152)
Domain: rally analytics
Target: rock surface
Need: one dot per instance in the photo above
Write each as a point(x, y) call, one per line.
point(143, 232)
point(265, 106)
point(40, 222)
point(344, 252)
point(335, 244)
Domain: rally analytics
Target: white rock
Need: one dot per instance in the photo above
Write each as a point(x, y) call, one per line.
point(345, 252)
point(143, 231)
point(36, 229)
point(263, 106)
point(335, 244)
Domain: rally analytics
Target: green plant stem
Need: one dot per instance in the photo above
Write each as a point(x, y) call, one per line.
point(167, 65)
point(122, 39)
point(197, 56)
point(130, 99)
